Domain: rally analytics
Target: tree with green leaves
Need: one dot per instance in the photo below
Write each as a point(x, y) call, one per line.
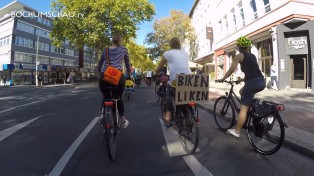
point(93, 22)
point(178, 24)
point(138, 56)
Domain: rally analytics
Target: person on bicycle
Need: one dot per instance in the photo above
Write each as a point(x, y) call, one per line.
point(117, 54)
point(149, 77)
point(129, 84)
point(253, 79)
point(178, 62)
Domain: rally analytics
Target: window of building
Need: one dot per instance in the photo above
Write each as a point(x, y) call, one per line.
point(265, 55)
point(267, 6)
point(226, 23)
point(241, 13)
point(253, 6)
point(234, 18)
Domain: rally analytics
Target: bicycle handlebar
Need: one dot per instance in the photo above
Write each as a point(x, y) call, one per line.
point(229, 82)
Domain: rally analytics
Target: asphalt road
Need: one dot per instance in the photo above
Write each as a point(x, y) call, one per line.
point(55, 131)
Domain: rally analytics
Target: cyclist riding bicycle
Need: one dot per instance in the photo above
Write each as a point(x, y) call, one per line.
point(253, 78)
point(117, 54)
point(178, 62)
point(129, 85)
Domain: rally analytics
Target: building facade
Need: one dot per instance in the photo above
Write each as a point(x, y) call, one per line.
point(203, 29)
point(281, 32)
point(25, 48)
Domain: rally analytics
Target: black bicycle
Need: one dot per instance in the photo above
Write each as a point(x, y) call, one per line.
point(185, 118)
point(110, 121)
point(265, 124)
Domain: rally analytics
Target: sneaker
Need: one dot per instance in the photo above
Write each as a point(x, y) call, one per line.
point(233, 133)
point(125, 124)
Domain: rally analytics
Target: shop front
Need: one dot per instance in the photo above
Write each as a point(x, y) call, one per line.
point(295, 54)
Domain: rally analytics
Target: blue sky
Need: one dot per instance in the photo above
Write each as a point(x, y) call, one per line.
point(163, 8)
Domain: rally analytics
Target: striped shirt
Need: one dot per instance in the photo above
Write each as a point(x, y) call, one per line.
point(117, 56)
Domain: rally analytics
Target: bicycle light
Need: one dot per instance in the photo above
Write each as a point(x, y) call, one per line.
point(192, 104)
point(108, 103)
point(280, 107)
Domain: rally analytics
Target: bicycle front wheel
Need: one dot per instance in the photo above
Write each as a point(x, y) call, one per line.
point(266, 135)
point(110, 126)
point(189, 130)
point(224, 113)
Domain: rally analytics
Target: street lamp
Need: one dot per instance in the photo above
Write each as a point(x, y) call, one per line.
point(37, 63)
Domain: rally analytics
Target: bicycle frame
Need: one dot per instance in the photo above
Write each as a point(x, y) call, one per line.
point(233, 97)
point(109, 103)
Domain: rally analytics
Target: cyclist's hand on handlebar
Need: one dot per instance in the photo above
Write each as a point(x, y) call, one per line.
point(219, 80)
point(239, 80)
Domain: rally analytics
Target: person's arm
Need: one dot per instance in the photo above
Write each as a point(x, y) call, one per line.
point(161, 64)
point(101, 61)
point(127, 62)
point(233, 66)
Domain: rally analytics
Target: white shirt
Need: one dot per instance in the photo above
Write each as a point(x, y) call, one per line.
point(178, 62)
point(273, 71)
point(149, 74)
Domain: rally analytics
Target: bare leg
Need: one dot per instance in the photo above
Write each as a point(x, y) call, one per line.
point(242, 118)
point(167, 116)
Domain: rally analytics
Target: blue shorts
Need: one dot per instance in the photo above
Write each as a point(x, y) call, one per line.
point(250, 88)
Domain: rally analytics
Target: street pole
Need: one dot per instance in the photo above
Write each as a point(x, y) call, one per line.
point(37, 61)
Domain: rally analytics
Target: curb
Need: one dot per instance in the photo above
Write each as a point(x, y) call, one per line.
point(290, 141)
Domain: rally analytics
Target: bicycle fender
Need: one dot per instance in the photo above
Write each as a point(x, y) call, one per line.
point(282, 116)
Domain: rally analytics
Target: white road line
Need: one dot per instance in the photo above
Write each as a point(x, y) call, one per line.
point(68, 154)
point(175, 149)
point(7, 110)
point(172, 139)
point(10, 109)
point(7, 132)
point(196, 167)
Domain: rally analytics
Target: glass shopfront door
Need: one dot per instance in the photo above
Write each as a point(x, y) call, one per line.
point(298, 71)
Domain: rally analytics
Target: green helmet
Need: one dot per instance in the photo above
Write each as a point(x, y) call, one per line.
point(244, 41)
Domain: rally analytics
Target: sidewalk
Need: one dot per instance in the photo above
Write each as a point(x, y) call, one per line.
point(299, 113)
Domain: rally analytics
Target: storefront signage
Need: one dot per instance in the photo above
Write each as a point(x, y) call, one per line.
point(28, 66)
point(296, 45)
point(8, 66)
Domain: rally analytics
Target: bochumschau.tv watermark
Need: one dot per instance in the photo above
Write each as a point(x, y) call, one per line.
point(45, 14)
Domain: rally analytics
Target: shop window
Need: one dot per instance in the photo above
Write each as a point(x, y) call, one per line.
point(265, 53)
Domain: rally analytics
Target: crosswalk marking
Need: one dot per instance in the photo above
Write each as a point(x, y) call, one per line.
point(7, 132)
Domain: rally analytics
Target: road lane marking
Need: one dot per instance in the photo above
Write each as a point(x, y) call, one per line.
point(175, 149)
point(196, 167)
point(172, 139)
point(57, 170)
point(10, 109)
point(7, 132)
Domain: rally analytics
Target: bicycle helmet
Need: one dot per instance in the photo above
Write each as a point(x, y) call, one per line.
point(244, 41)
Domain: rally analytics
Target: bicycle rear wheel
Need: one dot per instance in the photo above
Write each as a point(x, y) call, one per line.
point(110, 128)
point(189, 130)
point(268, 141)
point(224, 113)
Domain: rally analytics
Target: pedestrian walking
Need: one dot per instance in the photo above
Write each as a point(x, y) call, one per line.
point(40, 83)
point(4, 81)
point(273, 76)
